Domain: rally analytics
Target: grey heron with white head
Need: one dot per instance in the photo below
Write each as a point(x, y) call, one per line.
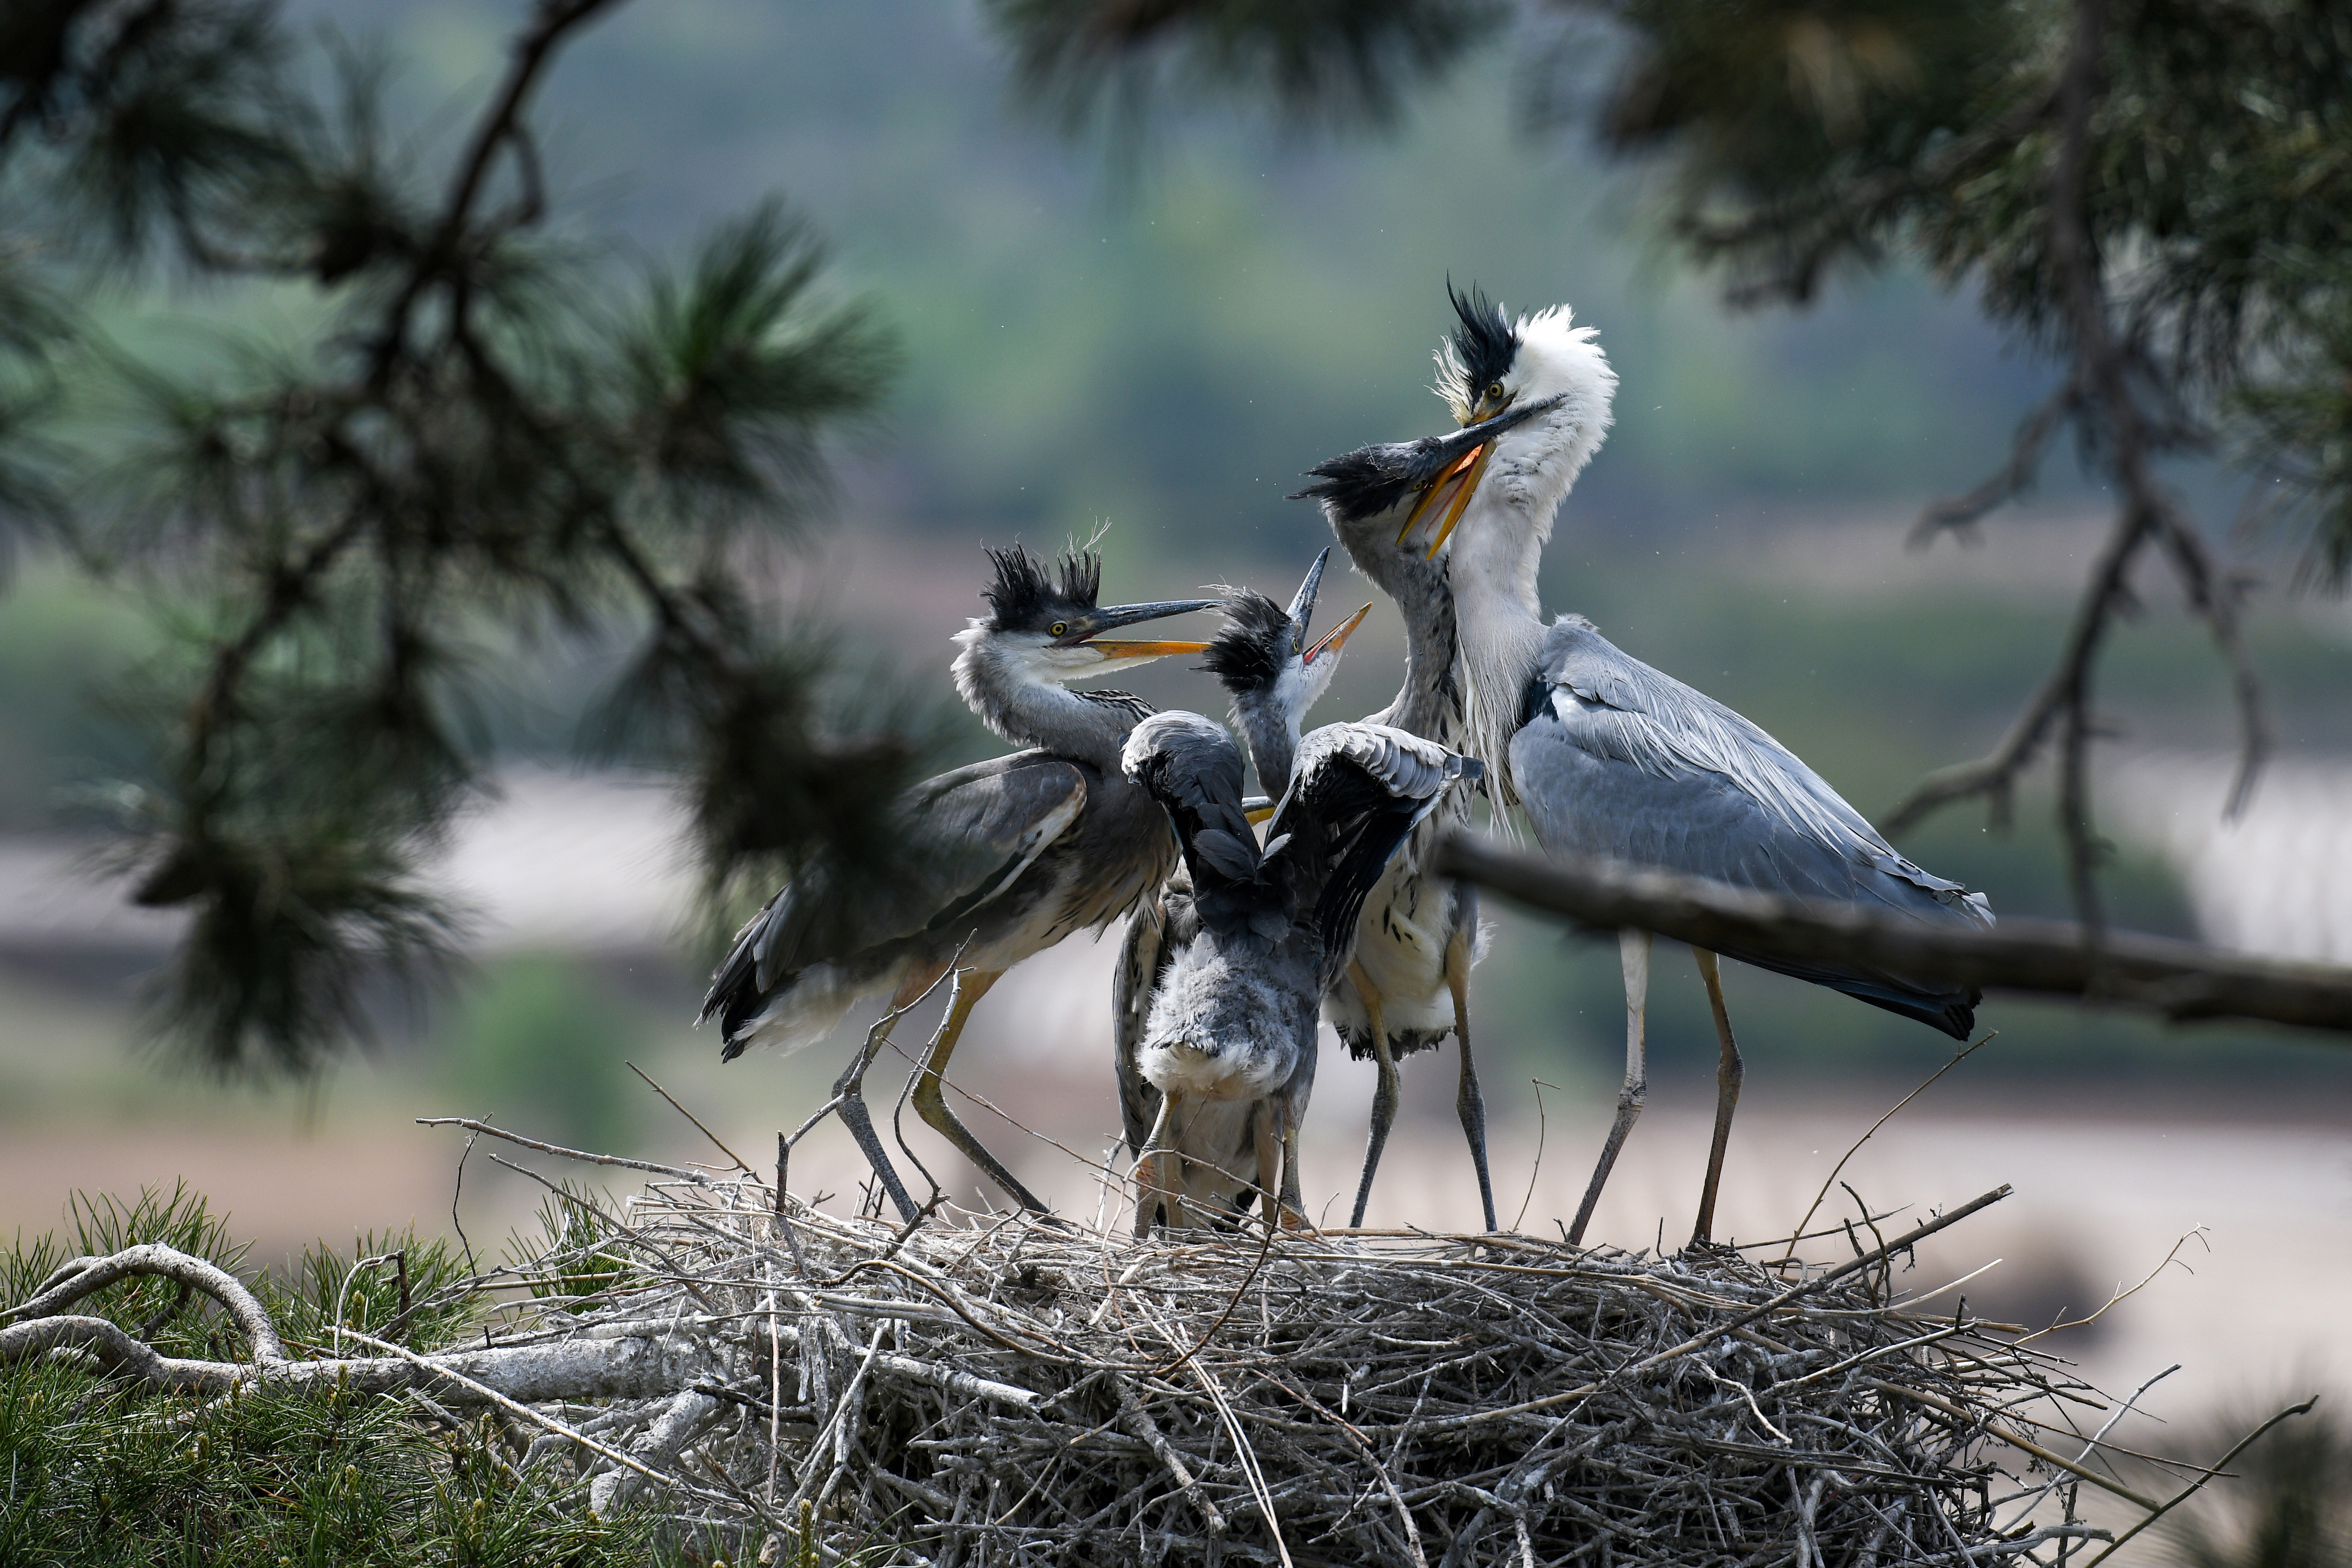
point(1606, 755)
point(1024, 850)
point(1231, 1027)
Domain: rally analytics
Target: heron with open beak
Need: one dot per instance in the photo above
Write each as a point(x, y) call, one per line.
point(1606, 755)
point(1022, 850)
point(1274, 670)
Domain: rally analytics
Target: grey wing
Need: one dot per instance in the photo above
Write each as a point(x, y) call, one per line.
point(1624, 761)
point(983, 826)
point(1143, 959)
point(1619, 761)
point(1357, 793)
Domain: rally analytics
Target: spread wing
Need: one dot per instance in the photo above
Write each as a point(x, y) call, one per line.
point(984, 825)
point(1616, 759)
point(1357, 793)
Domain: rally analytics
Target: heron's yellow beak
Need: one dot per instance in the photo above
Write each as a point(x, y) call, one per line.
point(1336, 638)
point(1122, 647)
point(1452, 489)
point(1260, 814)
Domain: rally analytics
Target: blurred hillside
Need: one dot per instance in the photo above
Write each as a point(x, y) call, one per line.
point(1166, 348)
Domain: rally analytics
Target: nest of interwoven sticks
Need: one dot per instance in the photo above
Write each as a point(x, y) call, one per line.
point(994, 1389)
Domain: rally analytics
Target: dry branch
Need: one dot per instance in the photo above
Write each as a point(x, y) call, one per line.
point(2178, 980)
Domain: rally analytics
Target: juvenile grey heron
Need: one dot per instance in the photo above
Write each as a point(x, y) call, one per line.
point(1409, 983)
point(1606, 755)
point(1233, 1021)
point(1274, 674)
point(1024, 850)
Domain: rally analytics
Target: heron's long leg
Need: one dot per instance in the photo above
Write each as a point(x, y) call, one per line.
point(849, 1088)
point(1633, 953)
point(930, 1097)
point(1468, 1102)
point(1152, 1188)
point(1266, 1134)
point(1728, 1072)
point(1385, 1093)
point(1294, 1205)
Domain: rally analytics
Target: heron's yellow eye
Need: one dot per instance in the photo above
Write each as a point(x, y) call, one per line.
point(1495, 389)
point(1059, 628)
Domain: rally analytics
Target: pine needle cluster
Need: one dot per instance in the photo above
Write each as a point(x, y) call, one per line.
point(491, 438)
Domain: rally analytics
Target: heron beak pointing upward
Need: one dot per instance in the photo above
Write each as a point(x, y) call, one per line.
point(1336, 638)
point(1302, 602)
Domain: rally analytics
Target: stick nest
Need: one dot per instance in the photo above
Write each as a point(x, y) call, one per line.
point(992, 1389)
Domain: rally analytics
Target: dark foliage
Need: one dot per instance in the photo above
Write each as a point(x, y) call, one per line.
point(1345, 62)
point(491, 440)
point(2152, 193)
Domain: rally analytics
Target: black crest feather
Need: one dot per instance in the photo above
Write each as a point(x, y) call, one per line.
point(1483, 346)
point(1025, 591)
point(1247, 654)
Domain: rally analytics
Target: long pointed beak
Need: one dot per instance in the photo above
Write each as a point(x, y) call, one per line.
point(1336, 638)
point(1302, 602)
point(1463, 458)
point(1469, 487)
point(1123, 649)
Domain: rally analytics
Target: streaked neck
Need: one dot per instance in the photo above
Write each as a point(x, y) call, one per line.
point(1030, 712)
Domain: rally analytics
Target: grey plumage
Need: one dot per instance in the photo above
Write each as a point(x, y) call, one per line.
point(1021, 850)
point(1420, 934)
point(1617, 759)
point(1232, 1018)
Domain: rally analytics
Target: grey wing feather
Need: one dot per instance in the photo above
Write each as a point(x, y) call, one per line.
point(1619, 760)
point(1698, 788)
point(984, 826)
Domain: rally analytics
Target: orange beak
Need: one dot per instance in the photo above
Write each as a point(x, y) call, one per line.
point(1468, 487)
point(1429, 496)
point(1119, 648)
point(1336, 638)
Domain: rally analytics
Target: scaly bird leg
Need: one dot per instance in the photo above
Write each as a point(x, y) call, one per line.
point(1468, 1102)
point(849, 1089)
point(930, 1096)
point(1633, 953)
point(1385, 1092)
point(1294, 1205)
point(1728, 1072)
point(1265, 1133)
point(1152, 1186)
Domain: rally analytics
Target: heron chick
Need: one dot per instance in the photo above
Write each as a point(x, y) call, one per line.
point(1273, 674)
point(1021, 850)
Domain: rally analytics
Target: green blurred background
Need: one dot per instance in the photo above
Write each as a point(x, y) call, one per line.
point(1164, 344)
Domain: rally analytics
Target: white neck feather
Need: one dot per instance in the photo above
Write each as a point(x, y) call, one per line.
point(1028, 708)
point(1492, 561)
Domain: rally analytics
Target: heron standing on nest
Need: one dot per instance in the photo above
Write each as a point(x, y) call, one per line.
point(1606, 755)
point(1273, 674)
point(1235, 1016)
point(1023, 850)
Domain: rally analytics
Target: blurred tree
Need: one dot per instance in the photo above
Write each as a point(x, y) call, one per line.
point(2287, 1504)
point(541, 1032)
point(486, 438)
point(2157, 195)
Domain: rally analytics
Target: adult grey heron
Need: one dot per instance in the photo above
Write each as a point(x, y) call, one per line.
point(1233, 1021)
point(1606, 755)
point(1273, 674)
point(1023, 850)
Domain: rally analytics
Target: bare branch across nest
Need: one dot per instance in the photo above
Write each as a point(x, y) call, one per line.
point(1009, 1390)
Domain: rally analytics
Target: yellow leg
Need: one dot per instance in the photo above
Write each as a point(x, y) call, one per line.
point(930, 1096)
point(1728, 1072)
point(1153, 1169)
